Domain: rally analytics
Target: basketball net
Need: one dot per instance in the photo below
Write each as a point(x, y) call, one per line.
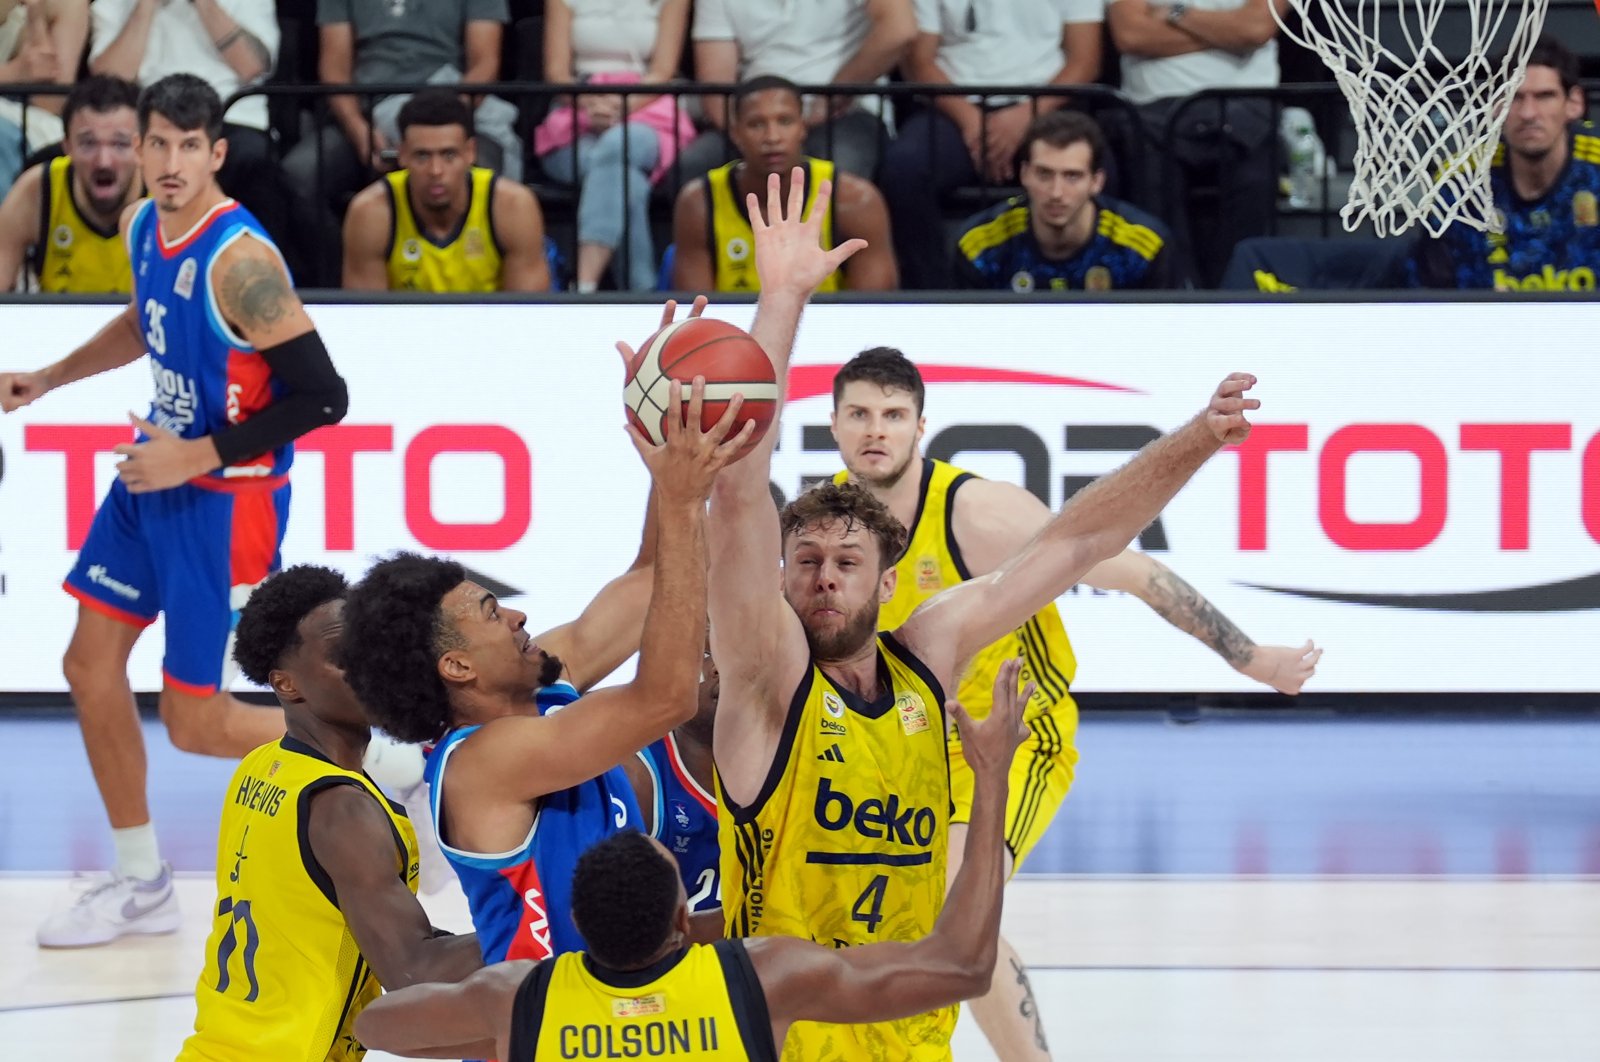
point(1426, 128)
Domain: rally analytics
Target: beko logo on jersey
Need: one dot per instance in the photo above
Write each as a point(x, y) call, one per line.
point(875, 818)
point(97, 575)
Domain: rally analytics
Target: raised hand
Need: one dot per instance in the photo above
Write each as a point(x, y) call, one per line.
point(686, 465)
point(1225, 415)
point(989, 746)
point(18, 389)
point(790, 258)
point(1285, 668)
point(669, 313)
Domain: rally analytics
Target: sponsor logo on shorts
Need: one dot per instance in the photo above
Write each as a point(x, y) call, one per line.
point(97, 575)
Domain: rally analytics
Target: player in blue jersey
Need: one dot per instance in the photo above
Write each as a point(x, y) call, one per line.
point(521, 784)
point(1546, 180)
point(198, 509)
point(1064, 235)
point(672, 781)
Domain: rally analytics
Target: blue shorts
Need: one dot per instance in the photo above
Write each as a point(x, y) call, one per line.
point(192, 552)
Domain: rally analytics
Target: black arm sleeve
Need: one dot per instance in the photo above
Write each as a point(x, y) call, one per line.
point(966, 276)
point(315, 395)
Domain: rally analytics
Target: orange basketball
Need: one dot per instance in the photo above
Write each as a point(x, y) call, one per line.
point(729, 359)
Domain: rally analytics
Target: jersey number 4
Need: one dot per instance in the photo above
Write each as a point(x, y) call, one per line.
point(230, 940)
point(869, 905)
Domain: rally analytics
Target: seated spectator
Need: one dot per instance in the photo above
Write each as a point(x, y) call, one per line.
point(441, 223)
point(836, 41)
point(962, 139)
point(229, 44)
point(1064, 235)
point(1546, 179)
point(714, 243)
point(40, 41)
point(1169, 53)
point(60, 220)
point(372, 41)
point(606, 42)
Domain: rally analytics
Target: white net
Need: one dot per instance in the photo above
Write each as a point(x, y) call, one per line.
point(1426, 124)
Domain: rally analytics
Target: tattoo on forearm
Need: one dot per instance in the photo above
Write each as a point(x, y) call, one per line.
point(1029, 1008)
point(1183, 606)
point(255, 294)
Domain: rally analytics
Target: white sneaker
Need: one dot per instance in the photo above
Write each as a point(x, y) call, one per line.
point(114, 908)
point(433, 869)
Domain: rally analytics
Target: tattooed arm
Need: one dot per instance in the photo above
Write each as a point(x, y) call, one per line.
point(1282, 667)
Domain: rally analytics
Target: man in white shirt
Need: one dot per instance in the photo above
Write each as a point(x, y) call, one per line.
point(808, 42)
point(230, 44)
point(961, 139)
point(1172, 51)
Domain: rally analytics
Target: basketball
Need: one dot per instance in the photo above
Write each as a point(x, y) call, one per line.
point(729, 359)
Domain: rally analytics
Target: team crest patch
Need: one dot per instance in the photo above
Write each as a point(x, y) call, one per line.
point(473, 245)
point(1585, 210)
point(411, 251)
point(737, 249)
point(639, 1007)
point(62, 236)
point(184, 285)
point(833, 705)
point(913, 715)
point(1022, 282)
point(1097, 279)
point(927, 574)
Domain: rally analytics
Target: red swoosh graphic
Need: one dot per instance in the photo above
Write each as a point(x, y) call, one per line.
point(808, 381)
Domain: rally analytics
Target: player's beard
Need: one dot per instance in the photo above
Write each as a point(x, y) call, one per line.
point(891, 479)
point(844, 642)
point(550, 668)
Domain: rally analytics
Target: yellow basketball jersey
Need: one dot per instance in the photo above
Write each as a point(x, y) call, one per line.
point(932, 562)
point(704, 1002)
point(71, 254)
point(469, 261)
point(283, 977)
point(733, 241)
point(846, 843)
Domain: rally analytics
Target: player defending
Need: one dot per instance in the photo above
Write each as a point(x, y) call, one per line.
point(198, 509)
point(639, 985)
point(519, 789)
point(833, 771)
point(288, 966)
point(960, 526)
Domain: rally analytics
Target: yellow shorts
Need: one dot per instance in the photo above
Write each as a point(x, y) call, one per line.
point(1041, 774)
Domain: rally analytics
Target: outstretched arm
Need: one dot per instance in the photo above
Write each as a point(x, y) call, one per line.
point(1096, 523)
point(756, 638)
point(471, 1019)
point(881, 982)
point(1285, 668)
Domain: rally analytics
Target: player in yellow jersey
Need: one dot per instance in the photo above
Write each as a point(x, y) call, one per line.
point(713, 241)
point(59, 221)
point(960, 526)
point(639, 989)
point(316, 870)
point(831, 759)
point(441, 223)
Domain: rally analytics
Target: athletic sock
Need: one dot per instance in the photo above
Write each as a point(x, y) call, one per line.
point(137, 854)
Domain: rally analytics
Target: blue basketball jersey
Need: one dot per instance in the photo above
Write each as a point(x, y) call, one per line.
point(521, 900)
point(207, 377)
point(685, 820)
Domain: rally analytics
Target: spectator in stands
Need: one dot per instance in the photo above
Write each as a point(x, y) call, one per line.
point(962, 139)
point(613, 43)
point(441, 223)
point(40, 41)
point(373, 41)
point(1170, 52)
point(61, 218)
point(1546, 179)
point(230, 44)
point(836, 41)
point(714, 243)
point(1064, 235)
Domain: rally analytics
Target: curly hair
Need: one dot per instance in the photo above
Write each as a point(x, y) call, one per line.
point(852, 505)
point(269, 623)
point(394, 634)
point(624, 897)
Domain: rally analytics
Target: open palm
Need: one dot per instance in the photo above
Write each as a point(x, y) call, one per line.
point(790, 258)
